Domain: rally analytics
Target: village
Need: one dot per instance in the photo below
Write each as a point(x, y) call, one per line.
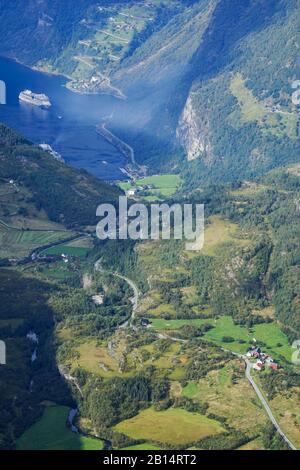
point(262, 360)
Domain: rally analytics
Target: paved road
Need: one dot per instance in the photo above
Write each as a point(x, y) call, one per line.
point(135, 298)
point(262, 398)
point(265, 404)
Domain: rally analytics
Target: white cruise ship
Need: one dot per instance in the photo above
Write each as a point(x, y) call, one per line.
point(35, 99)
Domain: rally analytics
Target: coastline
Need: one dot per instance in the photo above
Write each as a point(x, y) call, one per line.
point(118, 94)
point(115, 92)
point(37, 69)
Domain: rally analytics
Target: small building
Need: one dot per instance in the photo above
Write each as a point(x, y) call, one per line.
point(145, 322)
point(254, 352)
point(273, 365)
point(131, 192)
point(258, 366)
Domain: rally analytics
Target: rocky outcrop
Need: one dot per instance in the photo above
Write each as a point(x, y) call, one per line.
point(193, 134)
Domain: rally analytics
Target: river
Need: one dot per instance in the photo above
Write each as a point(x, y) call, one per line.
point(68, 126)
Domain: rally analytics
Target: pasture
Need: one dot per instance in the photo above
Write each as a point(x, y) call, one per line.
point(77, 251)
point(229, 397)
point(271, 120)
point(160, 186)
point(161, 324)
point(51, 433)
point(173, 426)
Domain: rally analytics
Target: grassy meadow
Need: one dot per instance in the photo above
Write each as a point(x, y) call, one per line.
point(51, 433)
point(173, 426)
point(162, 185)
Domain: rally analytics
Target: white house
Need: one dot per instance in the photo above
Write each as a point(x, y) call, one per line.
point(131, 192)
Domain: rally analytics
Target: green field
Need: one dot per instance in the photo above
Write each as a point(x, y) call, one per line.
point(268, 333)
point(278, 123)
point(161, 324)
point(190, 390)
point(271, 334)
point(78, 251)
point(58, 270)
point(173, 426)
point(51, 433)
point(163, 185)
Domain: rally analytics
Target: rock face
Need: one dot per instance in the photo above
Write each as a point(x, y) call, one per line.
point(193, 134)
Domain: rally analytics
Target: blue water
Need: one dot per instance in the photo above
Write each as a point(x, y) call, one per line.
point(68, 126)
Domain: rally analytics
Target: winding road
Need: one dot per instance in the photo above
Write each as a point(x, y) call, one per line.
point(134, 299)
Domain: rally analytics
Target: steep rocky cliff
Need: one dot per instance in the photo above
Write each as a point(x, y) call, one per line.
point(193, 133)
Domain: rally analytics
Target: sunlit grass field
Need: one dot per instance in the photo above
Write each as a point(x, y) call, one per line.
point(162, 185)
point(173, 426)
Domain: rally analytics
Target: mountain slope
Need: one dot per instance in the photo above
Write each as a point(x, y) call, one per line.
point(239, 119)
point(65, 195)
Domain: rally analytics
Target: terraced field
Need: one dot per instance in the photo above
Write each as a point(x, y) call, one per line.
point(19, 243)
point(107, 34)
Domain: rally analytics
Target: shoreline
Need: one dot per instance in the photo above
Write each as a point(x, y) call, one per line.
point(117, 95)
point(68, 79)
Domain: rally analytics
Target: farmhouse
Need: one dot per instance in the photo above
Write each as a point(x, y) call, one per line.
point(258, 366)
point(254, 352)
point(131, 192)
point(262, 359)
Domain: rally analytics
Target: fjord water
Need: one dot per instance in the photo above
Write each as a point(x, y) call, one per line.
point(68, 126)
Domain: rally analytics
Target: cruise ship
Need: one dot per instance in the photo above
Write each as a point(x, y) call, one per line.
point(35, 99)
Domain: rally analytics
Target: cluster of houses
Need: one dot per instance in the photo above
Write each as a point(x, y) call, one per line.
point(262, 359)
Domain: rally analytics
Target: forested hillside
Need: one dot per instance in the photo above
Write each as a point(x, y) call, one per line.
point(68, 196)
